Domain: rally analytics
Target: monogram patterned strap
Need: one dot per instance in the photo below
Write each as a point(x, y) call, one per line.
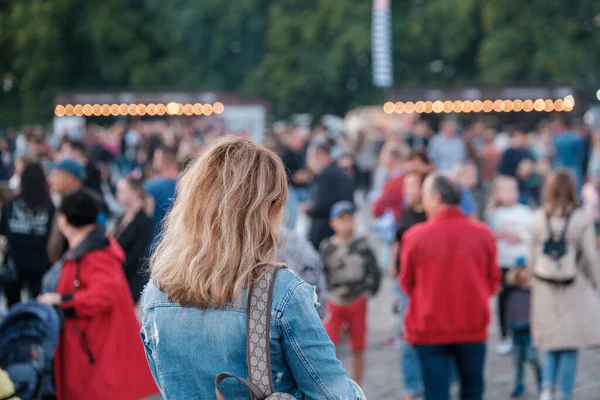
point(258, 334)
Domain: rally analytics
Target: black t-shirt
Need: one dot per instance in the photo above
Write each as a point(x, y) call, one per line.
point(27, 233)
point(408, 218)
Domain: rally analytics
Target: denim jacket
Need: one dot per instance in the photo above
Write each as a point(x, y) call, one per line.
point(187, 347)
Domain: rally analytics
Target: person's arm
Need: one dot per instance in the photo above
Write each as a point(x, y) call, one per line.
point(98, 296)
point(56, 243)
point(309, 353)
point(373, 273)
point(587, 249)
point(393, 261)
point(407, 261)
point(494, 274)
point(383, 201)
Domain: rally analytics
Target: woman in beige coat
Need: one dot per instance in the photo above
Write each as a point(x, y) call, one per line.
point(565, 308)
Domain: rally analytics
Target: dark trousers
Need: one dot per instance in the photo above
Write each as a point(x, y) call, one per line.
point(12, 290)
point(502, 297)
point(436, 366)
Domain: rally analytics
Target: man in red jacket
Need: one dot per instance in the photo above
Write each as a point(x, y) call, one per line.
point(449, 271)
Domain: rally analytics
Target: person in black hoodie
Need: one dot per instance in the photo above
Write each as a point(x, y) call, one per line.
point(331, 185)
point(133, 231)
point(25, 222)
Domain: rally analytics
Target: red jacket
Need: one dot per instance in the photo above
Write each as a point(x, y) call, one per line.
point(100, 353)
point(449, 271)
point(391, 197)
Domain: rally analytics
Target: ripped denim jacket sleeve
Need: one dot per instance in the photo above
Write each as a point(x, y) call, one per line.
point(309, 352)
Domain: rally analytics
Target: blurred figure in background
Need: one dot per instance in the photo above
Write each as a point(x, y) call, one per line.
point(514, 155)
point(76, 150)
point(133, 231)
point(565, 308)
point(162, 187)
point(331, 184)
point(570, 150)
point(446, 149)
point(467, 176)
point(294, 160)
point(391, 198)
point(14, 183)
point(411, 215)
point(366, 150)
point(99, 349)
point(418, 139)
point(66, 177)
point(352, 274)
point(511, 224)
point(26, 222)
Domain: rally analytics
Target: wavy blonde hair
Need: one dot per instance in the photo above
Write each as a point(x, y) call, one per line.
point(223, 228)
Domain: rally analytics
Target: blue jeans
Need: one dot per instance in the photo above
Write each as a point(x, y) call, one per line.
point(436, 367)
point(560, 364)
point(409, 358)
point(524, 352)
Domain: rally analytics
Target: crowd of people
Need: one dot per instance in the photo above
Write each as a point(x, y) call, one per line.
point(457, 218)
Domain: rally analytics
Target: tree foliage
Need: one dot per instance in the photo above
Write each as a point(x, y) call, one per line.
point(302, 55)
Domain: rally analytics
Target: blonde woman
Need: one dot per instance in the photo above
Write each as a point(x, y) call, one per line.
point(218, 239)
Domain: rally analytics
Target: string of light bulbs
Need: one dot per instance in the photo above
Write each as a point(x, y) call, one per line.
point(151, 109)
point(467, 106)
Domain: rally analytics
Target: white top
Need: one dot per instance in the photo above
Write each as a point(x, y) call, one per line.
point(515, 220)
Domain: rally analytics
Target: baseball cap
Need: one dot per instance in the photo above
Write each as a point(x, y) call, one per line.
point(71, 167)
point(341, 207)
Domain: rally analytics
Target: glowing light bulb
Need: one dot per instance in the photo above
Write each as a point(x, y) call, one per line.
point(123, 109)
point(207, 109)
point(559, 105)
point(141, 109)
point(409, 107)
point(188, 109)
point(132, 109)
point(399, 107)
point(488, 106)
point(539, 105)
point(428, 107)
point(161, 109)
point(105, 110)
point(114, 110)
point(59, 110)
point(87, 110)
point(151, 109)
point(438, 107)
point(498, 106)
point(569, 102)
point(477, 106)
point(172, 108)
point(517, 105)
point(218, 108)
point(507, 106)
point(197, 109)
point(457, 106)
point(447, 106)
point(528, 105)
point(419, 107)
point(388, 107)
point(467, 106)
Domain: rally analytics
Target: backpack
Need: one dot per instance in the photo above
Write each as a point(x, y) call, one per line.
point(258, 352)
point(557, 261)
point(28, 340)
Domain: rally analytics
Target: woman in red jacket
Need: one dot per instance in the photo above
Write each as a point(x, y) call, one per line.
point(100, 354)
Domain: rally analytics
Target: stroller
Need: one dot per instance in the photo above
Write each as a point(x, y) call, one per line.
point(28, 339)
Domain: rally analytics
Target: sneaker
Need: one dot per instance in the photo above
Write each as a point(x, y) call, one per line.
point(504, 348)
point(546, 395)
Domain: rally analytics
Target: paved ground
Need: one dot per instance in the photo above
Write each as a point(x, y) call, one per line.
point(382, 380)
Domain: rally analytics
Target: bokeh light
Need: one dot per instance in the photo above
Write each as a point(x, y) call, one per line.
point(388, 107)
point(399, 107)
point(207, 109)
point(409, 107)
point(218, 108)
point(59, 110)
point(477, 106)
point(457, 106)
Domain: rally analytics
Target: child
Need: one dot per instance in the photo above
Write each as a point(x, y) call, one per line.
point(352, 273)
point(517, 319)
point(510, 222)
